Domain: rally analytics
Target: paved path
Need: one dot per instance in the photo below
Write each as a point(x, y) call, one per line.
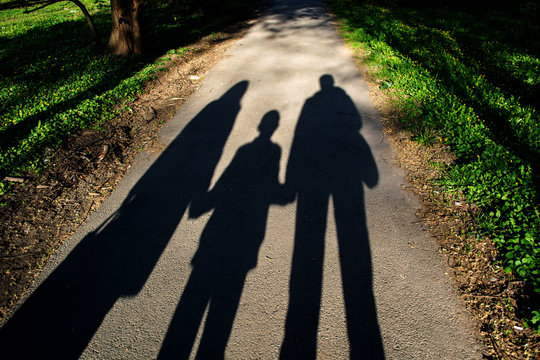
point(330, 266)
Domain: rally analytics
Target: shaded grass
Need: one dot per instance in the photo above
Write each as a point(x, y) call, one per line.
point(54, 81)
point(471, 80)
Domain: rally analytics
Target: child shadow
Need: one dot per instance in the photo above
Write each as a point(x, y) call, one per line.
point(115, 260)
point(228, 247)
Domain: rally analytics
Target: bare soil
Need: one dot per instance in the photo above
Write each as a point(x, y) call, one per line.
point(495, 298)
point(44, 210)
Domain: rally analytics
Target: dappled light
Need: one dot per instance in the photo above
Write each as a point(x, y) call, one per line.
point(220, 182)
point(49, 93)
point(116, 260)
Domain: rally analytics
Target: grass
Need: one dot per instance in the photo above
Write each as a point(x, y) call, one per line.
point(55, 82)
point(468, 78)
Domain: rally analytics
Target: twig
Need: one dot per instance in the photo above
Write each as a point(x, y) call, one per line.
point(494, 346)
point(103, 153)
point(485, 296)
point(149, 140)
point(14, 179)
point(454, 262)
point(15, 256)
point(154, 115)
point(103, 183)
point(42, 6)
point(89, 209)
point(88, 161)
point(86, 181)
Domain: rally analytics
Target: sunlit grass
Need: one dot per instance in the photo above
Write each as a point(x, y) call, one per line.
point(54, 81)
point(470, 81)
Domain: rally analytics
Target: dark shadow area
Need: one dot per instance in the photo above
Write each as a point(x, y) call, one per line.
point(478, 6)
point(330, 160)
point(13, 134)
point(477, 33)
point(61, 316)
point(50, 56)
point(229, 246)
point(481, 36)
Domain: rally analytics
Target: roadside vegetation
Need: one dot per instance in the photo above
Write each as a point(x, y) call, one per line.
point(54, 81)
point(464, 77)
point(468, 77)
point(73, 116)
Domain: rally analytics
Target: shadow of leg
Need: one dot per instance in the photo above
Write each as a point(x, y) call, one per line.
point(221, 314)
point(362, 325)
point(187, 318)
point(306, 277)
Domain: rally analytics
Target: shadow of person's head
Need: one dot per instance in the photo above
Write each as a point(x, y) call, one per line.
point(235, 94)
point(269, 124)
point(327, 82)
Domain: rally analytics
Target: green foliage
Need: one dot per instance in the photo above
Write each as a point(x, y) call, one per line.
point(473, 82)
point(54, 82)
point(534, 321)
point(48, 93)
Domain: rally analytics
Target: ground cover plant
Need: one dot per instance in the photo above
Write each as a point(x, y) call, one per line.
point(54, 81)
point(468, 78)
point(73, 167)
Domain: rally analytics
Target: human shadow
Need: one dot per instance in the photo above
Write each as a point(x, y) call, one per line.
point(228, 247)
point(330, 159)
point(58, 320)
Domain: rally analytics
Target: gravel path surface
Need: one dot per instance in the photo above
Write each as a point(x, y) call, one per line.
point(274, 224)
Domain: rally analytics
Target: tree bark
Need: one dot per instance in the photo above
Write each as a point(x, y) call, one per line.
point(126, 33)
point(88, 18)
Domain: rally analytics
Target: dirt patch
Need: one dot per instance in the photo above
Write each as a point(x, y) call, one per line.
point(494, 297)
point(44, 211)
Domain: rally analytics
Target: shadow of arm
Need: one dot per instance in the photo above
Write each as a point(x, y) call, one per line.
point(201, 204)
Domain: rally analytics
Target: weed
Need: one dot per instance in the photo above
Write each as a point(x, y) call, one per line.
point(470, 82)
point(48, 93)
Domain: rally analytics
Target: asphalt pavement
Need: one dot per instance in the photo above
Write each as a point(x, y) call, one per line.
point(274, 224)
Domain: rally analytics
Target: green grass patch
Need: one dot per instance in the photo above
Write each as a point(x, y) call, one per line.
point(469, 79)
point(55, 82)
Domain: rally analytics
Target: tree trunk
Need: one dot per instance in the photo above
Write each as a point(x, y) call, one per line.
point(126, 30)
point(44, 3)
point(88, 18)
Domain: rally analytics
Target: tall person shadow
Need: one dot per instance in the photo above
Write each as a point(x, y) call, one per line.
point(228, 247)
point(330, 159)
point(59, 319)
